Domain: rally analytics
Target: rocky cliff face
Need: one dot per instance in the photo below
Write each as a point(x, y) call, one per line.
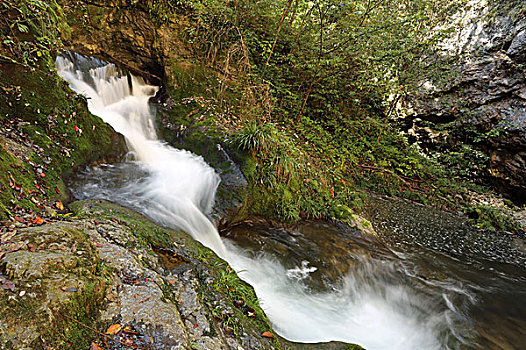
point(485, 105)
point(124, 32)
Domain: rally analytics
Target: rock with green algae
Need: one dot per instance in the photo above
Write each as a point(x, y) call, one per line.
point(46, 131)
point(49, 267)
point(163, 288)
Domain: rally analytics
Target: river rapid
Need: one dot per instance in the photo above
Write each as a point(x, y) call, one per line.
point(316, 281)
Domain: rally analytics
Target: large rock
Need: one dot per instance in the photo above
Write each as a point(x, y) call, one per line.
point(486, 101)
point(125, 33)
point(64, 281)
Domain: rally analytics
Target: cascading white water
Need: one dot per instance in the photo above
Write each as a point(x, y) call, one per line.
point(178, 191)
point(180, 184)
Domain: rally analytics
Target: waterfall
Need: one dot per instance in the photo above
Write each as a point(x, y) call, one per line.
point(180, 185)
point(178, 189)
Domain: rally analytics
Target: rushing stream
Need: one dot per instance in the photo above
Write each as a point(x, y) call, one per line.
point(318, 282)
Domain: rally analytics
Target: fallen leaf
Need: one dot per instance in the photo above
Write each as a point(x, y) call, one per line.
point(95, 347)
point(171, 281)
point(38, 220)
point(251, 312)
point(13, 247)
point(59, 205)
point(2, 254)
point(19, 219)
point(114, 329)
point(267, 335)
point(128, 342)
point(57, 190)
point(6, 236)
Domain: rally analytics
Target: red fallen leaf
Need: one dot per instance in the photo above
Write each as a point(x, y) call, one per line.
point(19, 219)
point(76, 128)
point(57, 190)
point(114, 329)
point(98, 245)
point(31, 248)
point(38, 221)
point(95, 347)
point(195, 325)
point(267, 335)
point(42, 175)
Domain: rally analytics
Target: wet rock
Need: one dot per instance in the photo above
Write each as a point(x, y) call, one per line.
point(44, 280)
point(125, 34)
point(517, 48)
point(120, 280)
point(314, 251)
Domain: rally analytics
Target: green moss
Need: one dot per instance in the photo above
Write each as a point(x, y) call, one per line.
point(11, 167)
point(48, 113)
point(486, 217)
point(148, 233)
point(353, 347)
point(84, 308)
point(227, 286)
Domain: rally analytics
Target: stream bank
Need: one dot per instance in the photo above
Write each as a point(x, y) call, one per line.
point(110, 265)
point(106, 267)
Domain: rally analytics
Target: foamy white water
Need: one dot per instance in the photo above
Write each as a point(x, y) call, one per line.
point(180, 184)
point(178, 191)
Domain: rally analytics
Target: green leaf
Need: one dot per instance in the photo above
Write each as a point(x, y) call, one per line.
point(22, 28)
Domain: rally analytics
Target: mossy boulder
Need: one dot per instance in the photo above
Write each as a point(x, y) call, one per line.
point(50, 269)
point(47, 132)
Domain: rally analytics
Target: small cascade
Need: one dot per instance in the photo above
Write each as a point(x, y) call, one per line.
point(180, 186)
point(372, 306)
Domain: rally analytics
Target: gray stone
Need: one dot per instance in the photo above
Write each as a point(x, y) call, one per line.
point(488, 95)
point(518, 45)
